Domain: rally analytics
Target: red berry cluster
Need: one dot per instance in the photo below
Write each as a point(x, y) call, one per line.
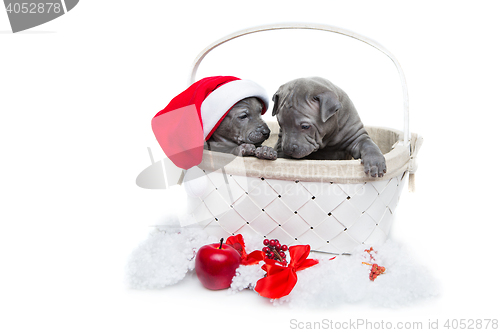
point(274, 250)
point(376, 271)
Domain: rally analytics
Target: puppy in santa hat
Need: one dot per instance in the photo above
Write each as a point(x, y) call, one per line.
point(220, 113)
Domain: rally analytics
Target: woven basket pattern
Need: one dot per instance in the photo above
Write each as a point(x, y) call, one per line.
point(330, 217)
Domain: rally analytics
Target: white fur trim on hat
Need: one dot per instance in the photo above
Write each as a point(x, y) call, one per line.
point(215, 106)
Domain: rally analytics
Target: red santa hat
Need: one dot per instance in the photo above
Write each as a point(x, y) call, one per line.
point(192, 116)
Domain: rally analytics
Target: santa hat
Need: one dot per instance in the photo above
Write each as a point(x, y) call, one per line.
point(192, 116)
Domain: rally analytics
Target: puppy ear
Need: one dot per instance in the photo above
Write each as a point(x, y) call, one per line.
point(328, 104)
point(276, 102)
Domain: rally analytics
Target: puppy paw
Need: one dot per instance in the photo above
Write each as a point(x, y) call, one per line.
point(266, 153)
point(374, 165)
point(245, 149)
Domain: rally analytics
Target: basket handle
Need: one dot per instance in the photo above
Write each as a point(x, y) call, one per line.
point(313, 26)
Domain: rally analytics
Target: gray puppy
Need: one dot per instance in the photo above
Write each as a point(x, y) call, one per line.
point(242, 132)
point(318, 120)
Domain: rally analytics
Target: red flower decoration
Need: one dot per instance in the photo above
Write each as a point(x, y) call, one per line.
point(281, 279)
point(238, 244)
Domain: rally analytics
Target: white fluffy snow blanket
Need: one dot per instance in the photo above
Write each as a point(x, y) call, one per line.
point(167, 255)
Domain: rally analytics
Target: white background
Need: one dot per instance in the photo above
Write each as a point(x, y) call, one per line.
point(76, 98)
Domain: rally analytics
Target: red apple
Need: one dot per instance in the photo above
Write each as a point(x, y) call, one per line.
point(216, 265)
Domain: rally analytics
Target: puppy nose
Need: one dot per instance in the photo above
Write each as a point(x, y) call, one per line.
point(289, 150)
point(263, 129)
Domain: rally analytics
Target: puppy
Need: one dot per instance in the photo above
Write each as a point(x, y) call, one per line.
point(242, 132)
point(318, 120)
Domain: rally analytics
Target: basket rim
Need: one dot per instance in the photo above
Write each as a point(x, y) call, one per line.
point(337, 171)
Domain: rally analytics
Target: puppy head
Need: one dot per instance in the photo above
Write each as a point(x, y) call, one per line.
point(305, 110)
point(243, 124)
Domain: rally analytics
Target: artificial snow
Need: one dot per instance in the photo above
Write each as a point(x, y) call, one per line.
point(167, 255)
point(345, 279)
point(246, 277)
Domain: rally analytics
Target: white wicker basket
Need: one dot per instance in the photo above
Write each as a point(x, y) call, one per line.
point(330, 205)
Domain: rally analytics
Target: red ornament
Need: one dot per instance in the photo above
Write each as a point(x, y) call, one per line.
point(216, 264)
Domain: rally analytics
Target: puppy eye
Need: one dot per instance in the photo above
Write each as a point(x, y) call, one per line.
point(243, 116)
point(306, 126)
